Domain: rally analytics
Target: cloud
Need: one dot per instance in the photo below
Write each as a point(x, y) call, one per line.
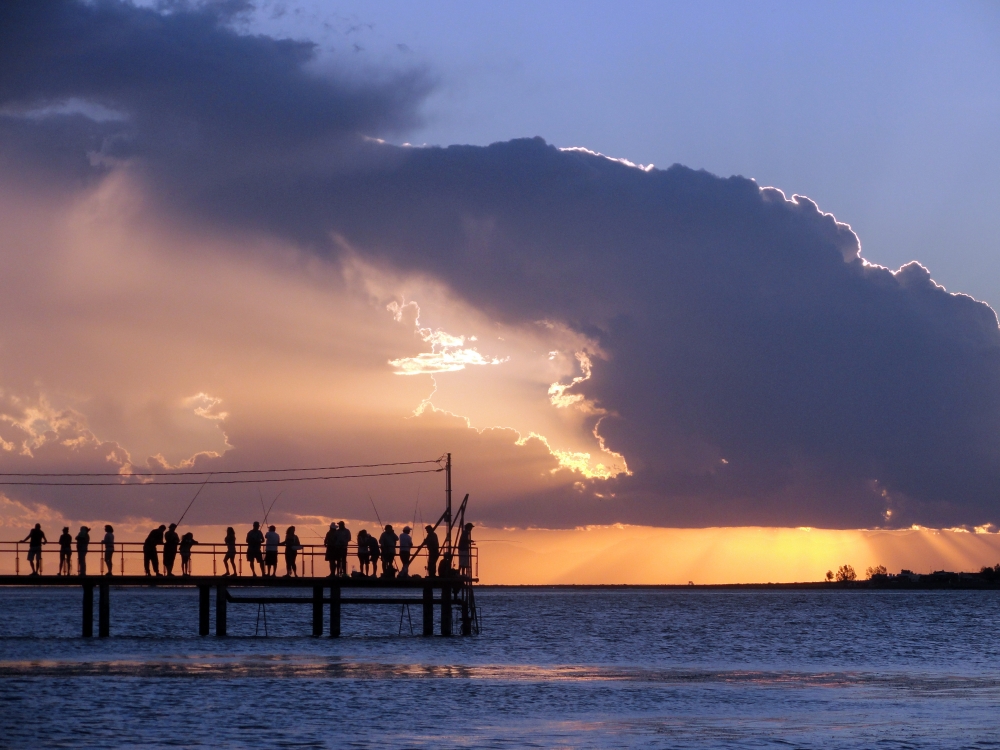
point(742, 357)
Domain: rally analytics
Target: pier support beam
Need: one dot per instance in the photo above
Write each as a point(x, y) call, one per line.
point(466, 618)
point(220, 610)
point(88, 610)
point(446, 610)
point(428, 607)
point(104, 611)
point(317, 610)
point(203, 598)
point(334, 612)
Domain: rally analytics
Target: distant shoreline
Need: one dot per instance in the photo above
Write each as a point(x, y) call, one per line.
point(892, 585)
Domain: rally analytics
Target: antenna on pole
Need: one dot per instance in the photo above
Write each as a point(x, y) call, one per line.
point(447, 493)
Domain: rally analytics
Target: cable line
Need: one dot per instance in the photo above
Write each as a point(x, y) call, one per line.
point(191, 484)
point(203, 473)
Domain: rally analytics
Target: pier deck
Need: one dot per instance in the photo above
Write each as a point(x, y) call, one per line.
point(452, 592)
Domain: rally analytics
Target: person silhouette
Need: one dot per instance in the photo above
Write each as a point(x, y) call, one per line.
point(170, 543)
point(387, 543)
point(364, 557)
point(343, 538)
point(82, 545)
point(465, 551)
point(330, 542)
point(292, 547)
point(109, 548)
point(230, 550)
point(187, 542)
point(271, 543)
point(149, 556)
point(65, 552)
point(374, 552)
point(35, 539)
point(254, 540)
point(433, 546)
point(405, 546)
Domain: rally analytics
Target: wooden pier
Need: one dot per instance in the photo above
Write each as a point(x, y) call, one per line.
point(448, 594)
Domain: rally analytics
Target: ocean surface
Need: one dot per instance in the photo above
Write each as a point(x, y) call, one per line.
point(553, 668)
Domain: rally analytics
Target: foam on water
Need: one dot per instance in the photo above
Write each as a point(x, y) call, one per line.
point(573, 668)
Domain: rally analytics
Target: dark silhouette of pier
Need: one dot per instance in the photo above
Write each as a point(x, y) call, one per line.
point(453, 596)
point(443, 586)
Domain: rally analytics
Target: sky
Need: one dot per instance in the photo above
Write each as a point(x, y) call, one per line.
point(666, 268)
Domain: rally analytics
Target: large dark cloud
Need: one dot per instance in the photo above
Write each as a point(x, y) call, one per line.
point(757, 370)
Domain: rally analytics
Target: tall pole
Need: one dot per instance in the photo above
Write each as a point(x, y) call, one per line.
point(447, 492)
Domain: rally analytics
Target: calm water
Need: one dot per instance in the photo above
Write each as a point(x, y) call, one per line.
point(553, 669)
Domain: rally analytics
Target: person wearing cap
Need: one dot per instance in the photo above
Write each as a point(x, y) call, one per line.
point(82, 544)
point(171, 541)
point(433, 550)
point(465, 551)
point(254, 539)
point(405, 545)
point(109, 547)
point(35, 539)
point(271, 543)
point(65, 551)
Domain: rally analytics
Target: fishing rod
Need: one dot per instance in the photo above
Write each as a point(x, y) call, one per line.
point(381, 525)
point(271, 506)
point(193, 499)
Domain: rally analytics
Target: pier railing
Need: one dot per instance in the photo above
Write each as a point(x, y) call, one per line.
point(206, 559)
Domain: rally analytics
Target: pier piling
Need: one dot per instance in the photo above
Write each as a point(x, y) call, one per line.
point(446, 610)
point(334, 612)
point(317, 610)
point(88, 610)
point(220, 610)
point(203, 599)
point(104, 611)
point(428, 607)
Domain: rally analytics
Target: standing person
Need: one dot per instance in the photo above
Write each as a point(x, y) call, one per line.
point(387, 542)
point(330, 542)
point(82, 545)
point(254, 539)
point(187, 542)
point(374, 553)
point(292, 547)
point(433, 550)
point(109, 547)
point(363, 553)
point(170, 543)
point(465, 551)
point(35, 539)
point(149, 546)
point(405, 545)
point(230, 551)
point(343, 539)
point(65, 552)
point(271, 543)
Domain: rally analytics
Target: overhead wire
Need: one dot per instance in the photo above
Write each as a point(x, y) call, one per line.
point(5, 482)
point(210, 473)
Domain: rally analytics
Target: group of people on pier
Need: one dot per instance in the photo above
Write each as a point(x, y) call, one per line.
point(36, 538)
point(262, 548)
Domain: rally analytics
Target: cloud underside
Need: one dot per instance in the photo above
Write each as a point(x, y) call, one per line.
point(747, 363)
